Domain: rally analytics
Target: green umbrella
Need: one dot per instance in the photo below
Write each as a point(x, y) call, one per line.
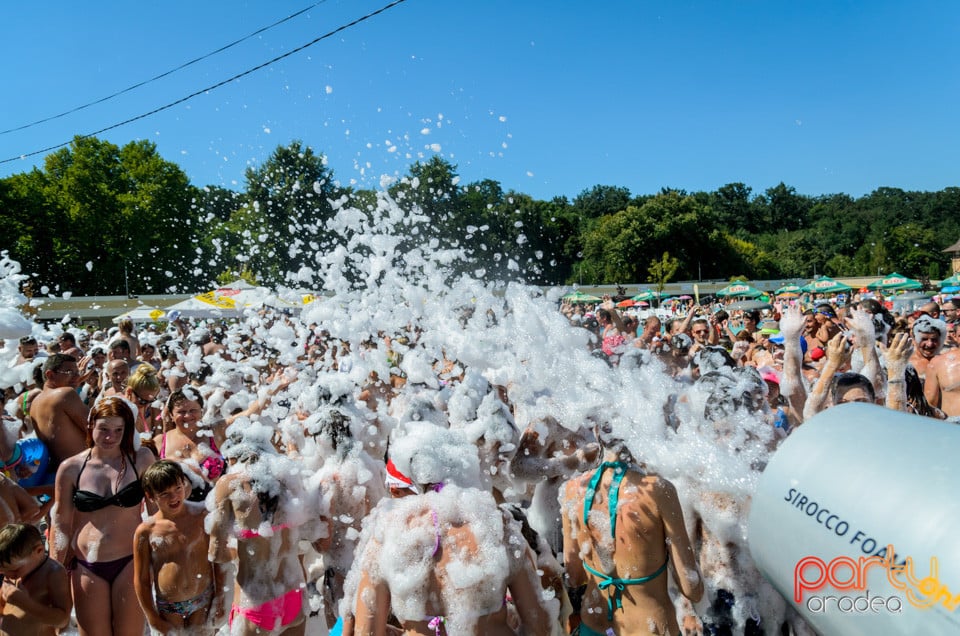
point(895, 281)
point(788, 289)
point(739, 289)
point(646, 295)
point(953, 281)
point(826, 285)
point(579, 297)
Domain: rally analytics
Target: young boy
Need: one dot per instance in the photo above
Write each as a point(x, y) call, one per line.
point(35, 597)
point(170, 557)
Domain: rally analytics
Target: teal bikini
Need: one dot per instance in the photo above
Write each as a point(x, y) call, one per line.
point(614, 586)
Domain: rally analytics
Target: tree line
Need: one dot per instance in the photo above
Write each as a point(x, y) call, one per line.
point(99, 219)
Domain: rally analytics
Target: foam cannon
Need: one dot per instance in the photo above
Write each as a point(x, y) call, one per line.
point(856, 522)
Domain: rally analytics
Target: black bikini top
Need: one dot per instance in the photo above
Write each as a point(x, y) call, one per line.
point(127, 497)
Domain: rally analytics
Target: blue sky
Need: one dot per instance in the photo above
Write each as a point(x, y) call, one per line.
point(546, 98)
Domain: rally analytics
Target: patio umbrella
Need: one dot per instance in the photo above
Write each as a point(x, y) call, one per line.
point(953, 281)
point(788, 289)
point(826, 285)
point(645, 295)
point(629, 302)
point(895, 281)
point(739, 289)
point(579, 297)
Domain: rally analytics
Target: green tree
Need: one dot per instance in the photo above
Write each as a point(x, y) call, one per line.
point(288, 204)
point(662, 271)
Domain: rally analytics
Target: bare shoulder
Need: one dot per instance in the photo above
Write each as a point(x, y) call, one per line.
point(71, 465)
point(144, 458)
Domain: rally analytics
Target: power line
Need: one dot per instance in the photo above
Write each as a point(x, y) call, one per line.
point(214, 86)
point(161, 75)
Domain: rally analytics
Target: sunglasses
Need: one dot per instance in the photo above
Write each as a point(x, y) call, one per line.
point(143, 402)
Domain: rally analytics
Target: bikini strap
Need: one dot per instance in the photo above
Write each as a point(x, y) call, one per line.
point(619, 471)
point(82, 466)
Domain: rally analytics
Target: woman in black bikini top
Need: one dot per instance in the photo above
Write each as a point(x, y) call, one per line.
point(127, 497)
point(93, 525)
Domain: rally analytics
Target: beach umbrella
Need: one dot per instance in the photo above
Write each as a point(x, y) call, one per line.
point(951, 290)
point(629, 302)
point(788, 289)
point(826, 285)
point(895, 281)
point(645, 295)
point(739, 289)
point(579, 297)
point(953, 281)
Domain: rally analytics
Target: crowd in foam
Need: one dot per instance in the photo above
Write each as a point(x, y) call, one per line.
point(452, 409)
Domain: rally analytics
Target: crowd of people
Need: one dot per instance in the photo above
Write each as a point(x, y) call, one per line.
point(261, 475)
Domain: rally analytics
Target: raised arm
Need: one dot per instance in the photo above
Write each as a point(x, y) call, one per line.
point(861, 323)
point(897, 356)
point(838, 354)
point(792, 386)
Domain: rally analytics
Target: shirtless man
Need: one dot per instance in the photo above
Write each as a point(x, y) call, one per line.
point(117, 372)
point(170, 557)
point(27, 350)
point(929, 334)
point(625, 527)
point(942, 384)
point(58, 413)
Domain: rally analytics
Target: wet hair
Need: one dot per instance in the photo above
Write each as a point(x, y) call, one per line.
point(712, 358)
point(113, 407)
point(603, 313)
point(57, 360)
point(730, 391)
point(28, 340)
point(144, 378)
point(753, 315)
point(38, 375)
point(926, 324)
point(162, 475)
point(201, 374)
point(119, 343)
point(66, 335)
point(843, 382)
point(916, 400)
point(333, 425)
point(185, 394)
point(681, 342)
point(18, 540)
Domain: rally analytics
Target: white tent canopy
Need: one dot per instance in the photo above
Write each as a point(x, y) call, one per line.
point(229, 301)
point(142, 314)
